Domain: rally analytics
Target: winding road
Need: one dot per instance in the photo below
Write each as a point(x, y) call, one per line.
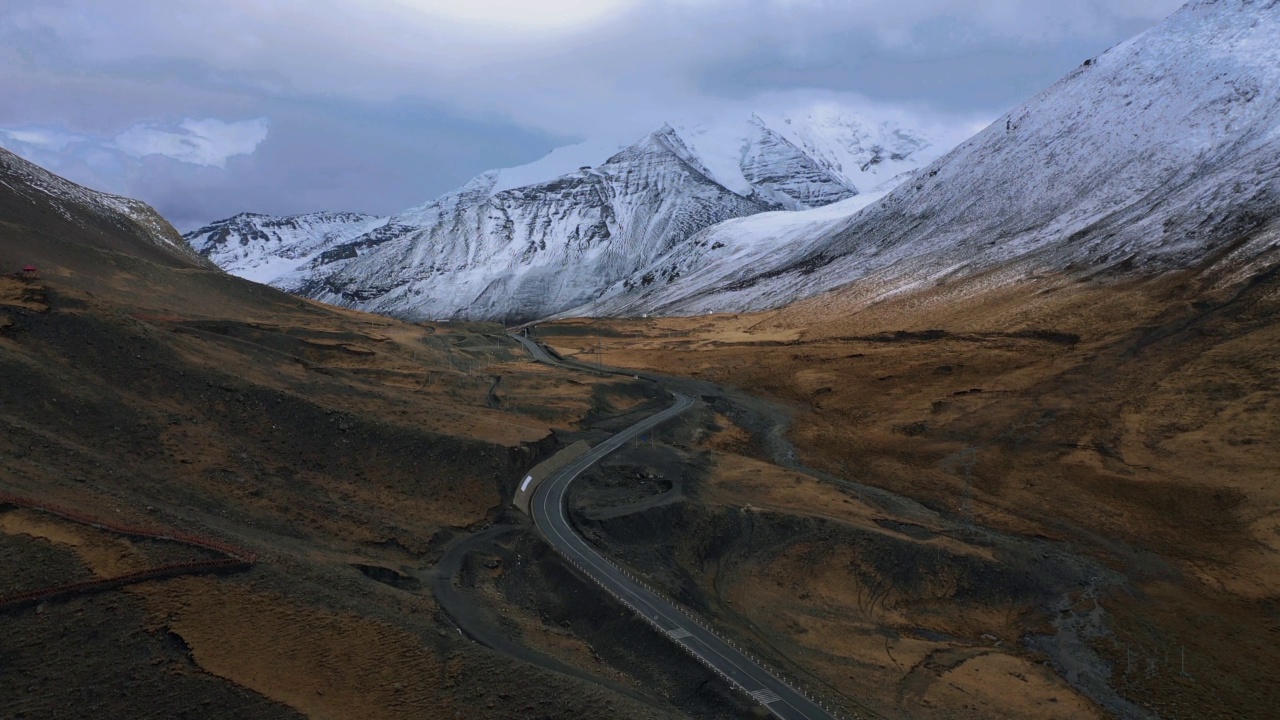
point(548, 510)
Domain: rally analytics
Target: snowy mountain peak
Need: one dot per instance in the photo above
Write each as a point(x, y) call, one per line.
point(263, 248)
point(787, 175)
point(1162, 153)
point(864, 154)
point(534, 240)
point(828, 142)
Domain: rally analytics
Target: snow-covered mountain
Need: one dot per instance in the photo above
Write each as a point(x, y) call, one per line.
point(527, 242)
point(524, 252)
point(863, 155)
point(1163, 152)
point(263, 248)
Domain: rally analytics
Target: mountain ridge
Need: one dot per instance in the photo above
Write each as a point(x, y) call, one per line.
point(99, 219)
point(1156, 155)
point(490, 251)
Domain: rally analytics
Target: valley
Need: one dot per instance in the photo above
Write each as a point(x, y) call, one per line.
point(344, 450)
point(1096, 460)
point(951, 564)
point(795, 414)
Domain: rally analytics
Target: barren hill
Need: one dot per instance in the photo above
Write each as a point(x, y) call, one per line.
point(144, 388)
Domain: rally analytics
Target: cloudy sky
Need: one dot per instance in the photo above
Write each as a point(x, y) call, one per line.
point(205, 109)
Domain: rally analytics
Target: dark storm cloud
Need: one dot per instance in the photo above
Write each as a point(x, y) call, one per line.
point(206, 109)
point(948, 73)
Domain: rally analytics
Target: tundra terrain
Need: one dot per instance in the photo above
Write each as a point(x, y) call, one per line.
point(983, 493)
point(348, 452)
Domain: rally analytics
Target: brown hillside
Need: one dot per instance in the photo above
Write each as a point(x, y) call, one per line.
point(346, 451)
point(1134, 423)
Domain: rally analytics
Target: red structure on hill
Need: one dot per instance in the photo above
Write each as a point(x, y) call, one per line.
point(29, 272)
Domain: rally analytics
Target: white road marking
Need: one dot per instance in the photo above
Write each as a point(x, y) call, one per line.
point(765, 696)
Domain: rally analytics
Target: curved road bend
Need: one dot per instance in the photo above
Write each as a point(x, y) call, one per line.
point(537, 352)
point(549, 515)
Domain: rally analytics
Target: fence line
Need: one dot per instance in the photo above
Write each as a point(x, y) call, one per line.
point(237, 558)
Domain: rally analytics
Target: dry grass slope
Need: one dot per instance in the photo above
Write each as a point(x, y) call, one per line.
point(1135, 421)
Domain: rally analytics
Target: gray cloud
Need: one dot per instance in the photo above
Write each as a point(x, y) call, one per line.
point(207, 141)
point(41, 138)
point(382, 104)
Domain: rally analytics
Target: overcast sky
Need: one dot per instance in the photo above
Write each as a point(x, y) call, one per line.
point(206, 109)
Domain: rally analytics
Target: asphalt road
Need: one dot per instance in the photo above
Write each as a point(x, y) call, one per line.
point(549, 515)
point(538, 353)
